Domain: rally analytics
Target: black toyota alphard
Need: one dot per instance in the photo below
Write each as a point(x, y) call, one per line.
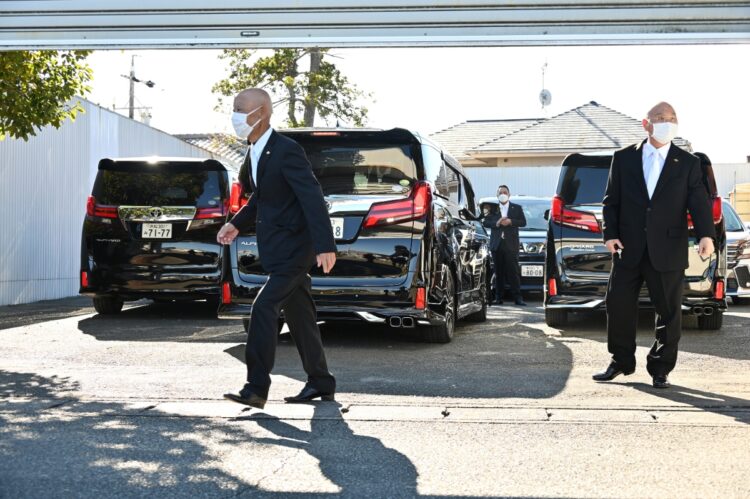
point(411, 254)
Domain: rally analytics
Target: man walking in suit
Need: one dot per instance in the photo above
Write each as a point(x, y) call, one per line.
point(651, 187)
point(504, 245)
point(294, 231)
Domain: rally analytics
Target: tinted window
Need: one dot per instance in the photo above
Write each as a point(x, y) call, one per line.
point(534, 213)
point(582, 185)
point(169, 186)
point(451, 177)
point(468, 195)
point(731, 220)
point(349, 168)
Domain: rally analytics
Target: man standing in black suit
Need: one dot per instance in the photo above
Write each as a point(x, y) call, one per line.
point(504, 244)
point(294, 232)
point(651, 187)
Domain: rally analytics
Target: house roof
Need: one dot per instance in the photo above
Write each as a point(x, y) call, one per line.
point(226, 146)
point(459, 139)
point(584, 128)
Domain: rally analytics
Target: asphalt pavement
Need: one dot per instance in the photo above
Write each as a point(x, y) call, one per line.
point(131, 406)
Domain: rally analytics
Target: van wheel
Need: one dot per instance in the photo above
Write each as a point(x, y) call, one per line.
point(108, 305)
point(444, 332)
point(711, 322)
point(480, 316)
point(555, 317)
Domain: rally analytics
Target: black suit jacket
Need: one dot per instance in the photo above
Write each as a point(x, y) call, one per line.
point(286, 206)
point(510, 241)
point(659, 223)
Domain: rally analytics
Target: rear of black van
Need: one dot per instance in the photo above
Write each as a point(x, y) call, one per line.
point(150, 231)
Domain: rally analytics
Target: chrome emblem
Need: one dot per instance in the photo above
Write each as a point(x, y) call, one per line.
point(329, 205)
point(155, 212)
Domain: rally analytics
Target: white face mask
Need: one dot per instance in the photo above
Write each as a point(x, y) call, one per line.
point(664, 132)
point(503, 198)
point(241, 127)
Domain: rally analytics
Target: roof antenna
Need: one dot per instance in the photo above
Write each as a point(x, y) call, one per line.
point(545, 97)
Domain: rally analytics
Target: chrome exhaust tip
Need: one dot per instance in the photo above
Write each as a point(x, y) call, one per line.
point(394, 322)
point(697, 311)
point(407, 322)
point(708, 310)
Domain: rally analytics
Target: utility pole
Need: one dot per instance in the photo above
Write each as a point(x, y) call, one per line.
point(131, 104)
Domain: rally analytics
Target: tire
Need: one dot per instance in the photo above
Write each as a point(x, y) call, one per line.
point(444, 332)
point(480, 316)
point(711, 322)
point(555, 317)
point(108, 305)
point(736, 300)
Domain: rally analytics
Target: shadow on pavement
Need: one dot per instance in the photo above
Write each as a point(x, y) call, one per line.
point(706, 401)
point(43, 311)
point(732, 341)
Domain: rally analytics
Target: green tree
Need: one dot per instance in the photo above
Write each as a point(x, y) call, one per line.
point(321, 90)
point(36, 89)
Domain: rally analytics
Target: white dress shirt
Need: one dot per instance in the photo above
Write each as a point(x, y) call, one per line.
point(648, 162)
point(255, 151)
point(504, 209)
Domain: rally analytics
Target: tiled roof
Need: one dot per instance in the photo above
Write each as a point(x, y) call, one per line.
point(227, 146)
point(585, 128)
point(465, 136)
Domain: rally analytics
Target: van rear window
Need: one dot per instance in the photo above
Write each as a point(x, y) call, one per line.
point(345, 167)
point(582, 184)
point(167, 187)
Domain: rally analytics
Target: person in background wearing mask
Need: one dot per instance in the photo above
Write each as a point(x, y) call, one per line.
point(651, 187)
point(504, 245)
point(287, 207)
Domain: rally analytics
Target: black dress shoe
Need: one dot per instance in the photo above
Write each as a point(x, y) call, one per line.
point(309, 393)
point(613, 371)
point(520, 302)
point(498, 302)
point(247, 398)
point(661, 382)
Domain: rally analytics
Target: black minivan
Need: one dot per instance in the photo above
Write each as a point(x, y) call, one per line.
point(150, 231)
point(411, 253)
point(578, 264)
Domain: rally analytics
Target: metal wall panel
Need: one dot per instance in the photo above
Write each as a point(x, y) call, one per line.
point(45, 183)
point(36, 24)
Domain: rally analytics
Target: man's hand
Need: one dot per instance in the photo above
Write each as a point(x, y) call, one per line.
point(227, 234)
point(505, 221)
point(613, 245)
point(327, 261)
point(705, 247)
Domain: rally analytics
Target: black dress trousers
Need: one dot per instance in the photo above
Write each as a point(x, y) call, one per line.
point(506, 270)
point(665, 290)
point(289, 291)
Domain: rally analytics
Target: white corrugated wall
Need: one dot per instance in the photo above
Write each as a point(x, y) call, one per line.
point(542, 180)
point(44, 184)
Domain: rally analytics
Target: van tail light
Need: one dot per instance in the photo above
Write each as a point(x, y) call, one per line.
point(84, 279)
point(421, 301)
point(716, 212)
point(99, 210)
point(552, 287)
point(237, 198)
point(581, 220)
point(414, 207)
point(213, 212)
point(719, 290)
point(226, 293)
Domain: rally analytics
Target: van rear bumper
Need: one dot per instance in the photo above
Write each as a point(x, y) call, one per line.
point(586, 303)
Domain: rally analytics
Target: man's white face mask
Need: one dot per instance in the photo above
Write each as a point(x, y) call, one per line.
point(503, 198)
point(241, 127)
point(664, 132)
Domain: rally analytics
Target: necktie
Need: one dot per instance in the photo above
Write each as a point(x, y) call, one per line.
point(653, 174)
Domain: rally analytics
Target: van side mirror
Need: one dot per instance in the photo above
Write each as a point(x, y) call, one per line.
point(546, 214)
point(467, 215)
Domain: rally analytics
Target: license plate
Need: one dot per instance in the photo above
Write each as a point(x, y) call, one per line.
point(532, 270)
point(337, 225)
point(156, 231)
